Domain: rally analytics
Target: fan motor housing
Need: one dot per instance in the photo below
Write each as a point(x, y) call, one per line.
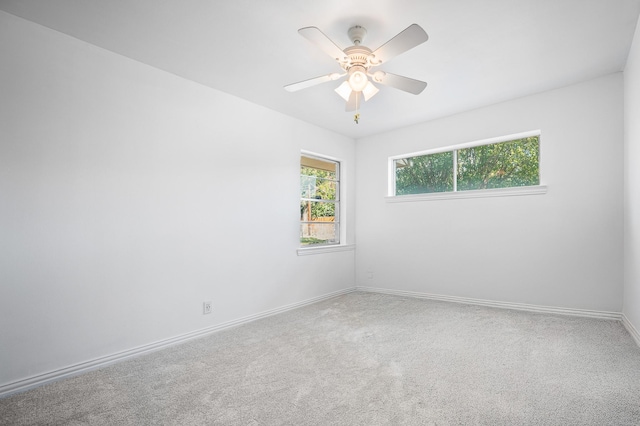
point(358, 55)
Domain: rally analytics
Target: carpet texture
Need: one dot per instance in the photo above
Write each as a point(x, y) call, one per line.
point(364, 359)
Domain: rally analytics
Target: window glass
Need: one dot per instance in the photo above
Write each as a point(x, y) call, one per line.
point(317, 187)
point(499, 165)
point(507, 164)
point(319, 201)
point(423, 174)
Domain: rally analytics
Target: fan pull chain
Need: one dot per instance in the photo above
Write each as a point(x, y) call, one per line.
point(356, 117)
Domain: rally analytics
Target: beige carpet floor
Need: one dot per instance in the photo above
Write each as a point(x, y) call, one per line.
point(364, 359)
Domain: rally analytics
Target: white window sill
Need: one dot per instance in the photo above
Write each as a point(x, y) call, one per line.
point(480, 193)
point(306, 251)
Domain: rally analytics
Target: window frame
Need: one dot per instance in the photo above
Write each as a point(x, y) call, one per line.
point(476, 193)
point(338, 210)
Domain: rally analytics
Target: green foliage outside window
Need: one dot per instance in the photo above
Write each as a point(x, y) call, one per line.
point(427, 173)
point(499, 165)
point(319, 201)
point(317, 184)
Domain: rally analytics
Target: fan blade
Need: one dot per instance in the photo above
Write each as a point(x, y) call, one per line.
point(411, 37)
point(317, 37)
point(312, 82)
point(352, 103)
point(399, 82)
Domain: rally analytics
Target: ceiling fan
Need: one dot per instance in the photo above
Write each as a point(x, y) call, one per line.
point(358, 62)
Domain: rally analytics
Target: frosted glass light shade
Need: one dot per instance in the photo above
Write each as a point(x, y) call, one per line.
point(344, 90)
point(358, 80)
point(369, 91)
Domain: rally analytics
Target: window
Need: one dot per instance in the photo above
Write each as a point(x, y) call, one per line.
point(504, 164)
point(319, 201)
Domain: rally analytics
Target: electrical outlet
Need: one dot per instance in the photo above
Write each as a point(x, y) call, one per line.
point(206, 307)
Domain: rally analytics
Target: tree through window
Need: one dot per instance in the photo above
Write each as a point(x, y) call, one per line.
point(319, 201)
point(504, 164)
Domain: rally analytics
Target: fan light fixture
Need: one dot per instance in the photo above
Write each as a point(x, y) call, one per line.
point(344, 90)
point(357, 82)
point(369, 91)
point(357, 60)
point(358, 78)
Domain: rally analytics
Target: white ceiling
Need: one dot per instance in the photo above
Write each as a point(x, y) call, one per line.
point(479, 52)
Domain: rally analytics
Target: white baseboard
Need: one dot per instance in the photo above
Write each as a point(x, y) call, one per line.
point(496, 304)
point(41, 379)
point(631, 329)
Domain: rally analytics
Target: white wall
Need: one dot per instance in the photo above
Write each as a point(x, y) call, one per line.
point(560, 249)
point(128, 196)
point(632, 184)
